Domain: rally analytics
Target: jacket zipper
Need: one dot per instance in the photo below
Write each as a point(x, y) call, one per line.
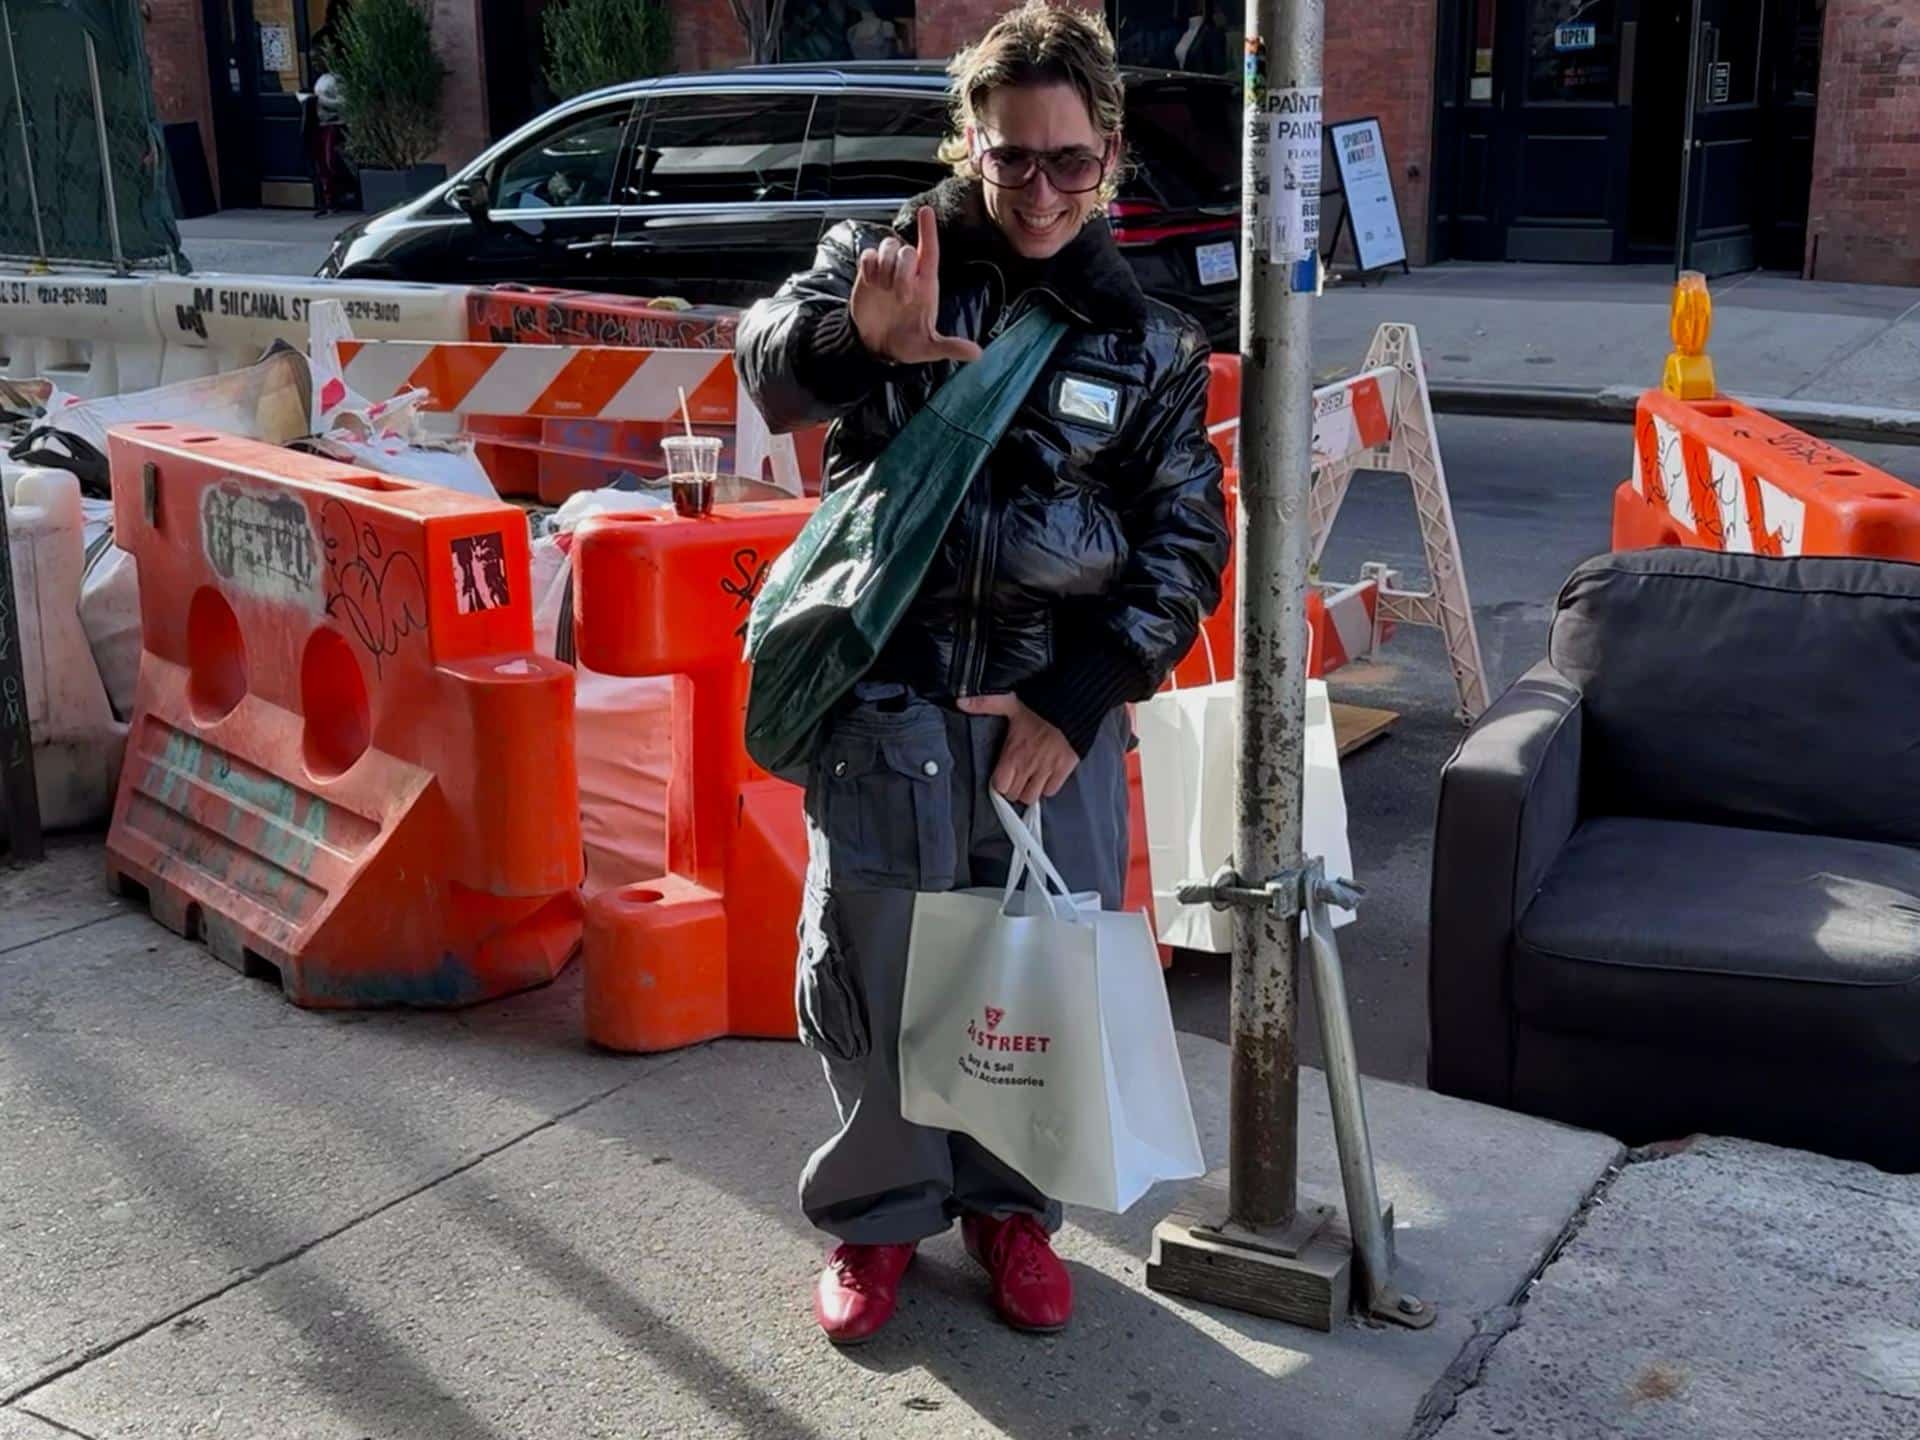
point(971, 661)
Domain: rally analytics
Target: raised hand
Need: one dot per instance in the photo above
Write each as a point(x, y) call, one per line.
point(896, 300)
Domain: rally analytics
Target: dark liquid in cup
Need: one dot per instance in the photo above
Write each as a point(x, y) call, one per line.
point(693, 498)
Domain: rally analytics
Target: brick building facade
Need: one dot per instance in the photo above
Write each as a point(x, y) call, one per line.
point(1864, 217)
point(1418, 65)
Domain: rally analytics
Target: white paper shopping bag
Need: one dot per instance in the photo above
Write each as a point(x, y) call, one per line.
point(1188, 743)
point(1038, 1024)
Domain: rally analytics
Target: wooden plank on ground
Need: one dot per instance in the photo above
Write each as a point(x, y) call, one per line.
point(1357, 725)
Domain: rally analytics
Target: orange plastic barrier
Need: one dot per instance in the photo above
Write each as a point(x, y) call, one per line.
point(346, 761)
point(540, 315)
point(1719, 475)
point(1223, 404)
point(707, 950)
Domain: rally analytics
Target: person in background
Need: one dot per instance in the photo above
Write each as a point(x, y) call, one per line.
point(1074, 576)
point(329, 129)
point(872, 38)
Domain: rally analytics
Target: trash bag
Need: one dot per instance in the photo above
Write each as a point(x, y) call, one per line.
point(835, 595)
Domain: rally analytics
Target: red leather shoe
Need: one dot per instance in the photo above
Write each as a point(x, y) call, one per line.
point(859, 1289)
point(1031, 1288)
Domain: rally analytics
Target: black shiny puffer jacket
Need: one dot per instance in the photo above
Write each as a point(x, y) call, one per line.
point(1080, 565)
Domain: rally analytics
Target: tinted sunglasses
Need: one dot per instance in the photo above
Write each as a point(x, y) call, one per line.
point(1072, 171)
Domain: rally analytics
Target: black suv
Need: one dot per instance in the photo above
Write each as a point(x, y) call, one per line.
point(716, 187)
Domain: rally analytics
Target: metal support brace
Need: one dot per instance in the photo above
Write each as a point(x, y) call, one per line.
point(1307, 890)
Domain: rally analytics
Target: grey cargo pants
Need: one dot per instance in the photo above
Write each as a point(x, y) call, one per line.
point(897, 802)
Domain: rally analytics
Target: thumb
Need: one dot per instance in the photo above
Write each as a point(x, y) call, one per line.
point(988, 704)
point(952, 347)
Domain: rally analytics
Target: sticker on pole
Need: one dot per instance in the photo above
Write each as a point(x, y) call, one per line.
point(1255, 184)
point(1293, 169)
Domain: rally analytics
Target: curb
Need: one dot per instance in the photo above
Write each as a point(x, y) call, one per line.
point(1615, 404)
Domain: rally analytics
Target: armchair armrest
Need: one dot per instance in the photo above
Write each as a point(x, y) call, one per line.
point(1509, 801)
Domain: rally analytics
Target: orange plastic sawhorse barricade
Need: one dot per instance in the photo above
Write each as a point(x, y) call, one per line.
point(709, 949)
point(346, 762)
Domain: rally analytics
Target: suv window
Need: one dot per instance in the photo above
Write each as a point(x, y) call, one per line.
point(723, 149)
point(571, 165)
point(1184, 136)
point(884, 149)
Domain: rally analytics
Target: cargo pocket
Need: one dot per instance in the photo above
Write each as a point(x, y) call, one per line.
point(827, 997)
point(882, 795)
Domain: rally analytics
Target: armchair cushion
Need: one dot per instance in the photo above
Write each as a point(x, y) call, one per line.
point(1715, 939)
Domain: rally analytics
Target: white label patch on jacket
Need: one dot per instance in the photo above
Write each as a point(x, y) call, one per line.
point(1076, 398)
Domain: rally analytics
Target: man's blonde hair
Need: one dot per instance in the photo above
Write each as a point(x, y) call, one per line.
point(1040, 43)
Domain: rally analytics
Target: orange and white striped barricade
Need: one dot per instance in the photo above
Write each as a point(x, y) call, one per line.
point(1719, 475)
point(347, 765)
point(708, 949)
point(550, 420)
point(1380, 419)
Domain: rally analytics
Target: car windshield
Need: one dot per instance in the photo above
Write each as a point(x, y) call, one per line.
point(1184, 136)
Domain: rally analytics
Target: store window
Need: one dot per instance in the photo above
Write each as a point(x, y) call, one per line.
point(1201, 36)
point(1573, 51)
point(724, 149)
point(821, 31)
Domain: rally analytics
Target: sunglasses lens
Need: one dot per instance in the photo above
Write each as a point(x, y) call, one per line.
point(1073, 173)
point(1007, 165)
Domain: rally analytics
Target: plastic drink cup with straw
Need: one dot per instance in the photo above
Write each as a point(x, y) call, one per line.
point(693, 466)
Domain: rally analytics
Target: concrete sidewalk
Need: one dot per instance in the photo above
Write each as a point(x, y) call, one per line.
point(1580, 342)
point(222, 1216)
point(261, 242)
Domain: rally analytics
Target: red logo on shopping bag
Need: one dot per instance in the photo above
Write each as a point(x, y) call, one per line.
point(990, 1038)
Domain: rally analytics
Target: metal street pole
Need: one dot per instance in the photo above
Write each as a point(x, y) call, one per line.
point(1279, 250)
point(1245, 1240)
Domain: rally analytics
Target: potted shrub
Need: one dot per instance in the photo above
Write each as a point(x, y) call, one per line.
point(391, 81)
point(592, 43)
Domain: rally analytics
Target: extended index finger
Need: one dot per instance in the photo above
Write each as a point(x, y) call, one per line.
point(927, 242)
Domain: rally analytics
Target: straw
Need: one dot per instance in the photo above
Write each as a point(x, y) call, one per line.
point(686, 417)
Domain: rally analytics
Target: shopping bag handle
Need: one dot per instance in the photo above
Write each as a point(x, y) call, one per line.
point(1213, 665)
point(1029, 859)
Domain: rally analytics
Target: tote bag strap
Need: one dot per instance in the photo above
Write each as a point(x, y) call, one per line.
point(1030, 860)
point(982, 398)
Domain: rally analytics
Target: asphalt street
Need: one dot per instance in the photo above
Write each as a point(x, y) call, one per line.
point(1531, 500)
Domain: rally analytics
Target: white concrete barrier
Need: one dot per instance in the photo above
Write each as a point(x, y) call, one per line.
point(90, 334)
point(213, 323)
point(96, 335)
